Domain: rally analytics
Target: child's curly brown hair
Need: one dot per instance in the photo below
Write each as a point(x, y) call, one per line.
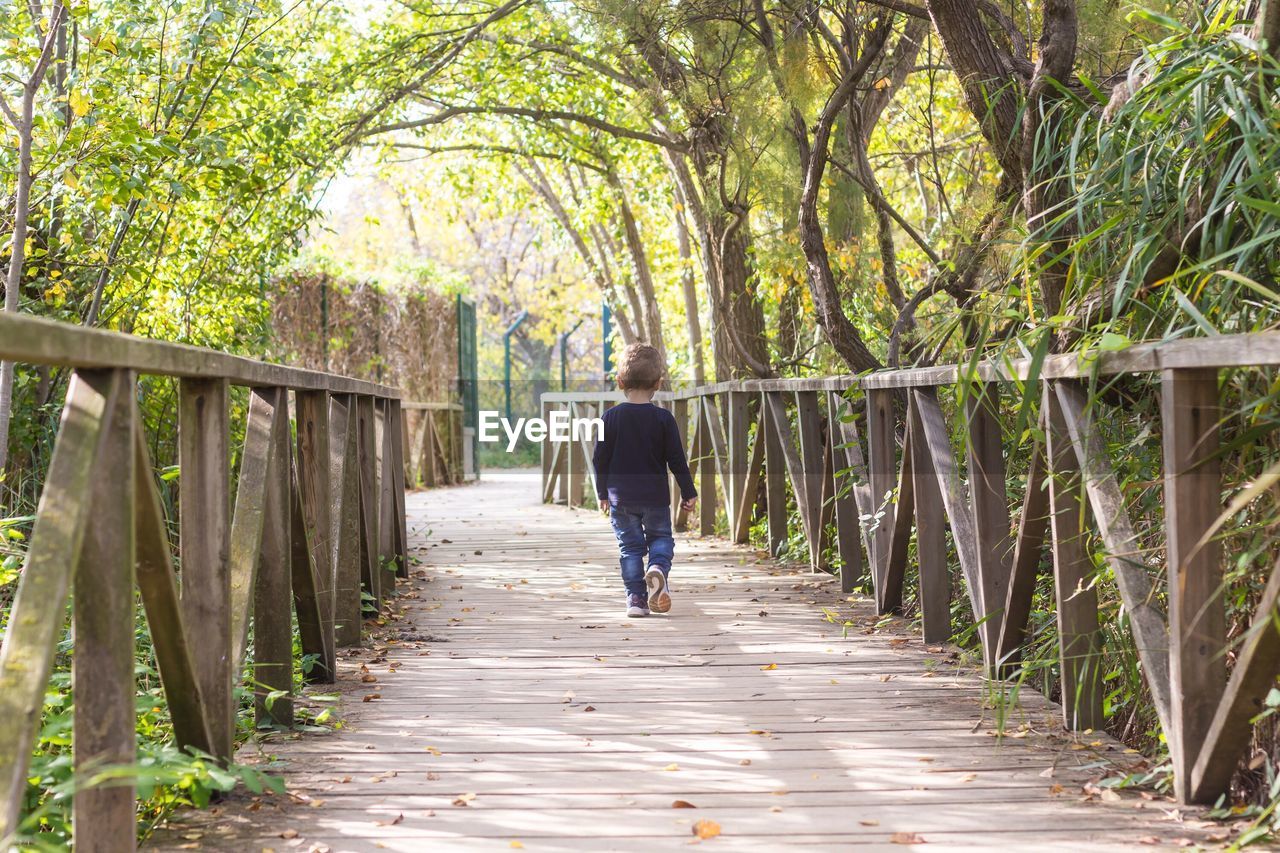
point(640, 368)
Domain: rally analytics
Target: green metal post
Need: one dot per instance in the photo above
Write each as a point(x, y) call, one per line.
point(506, 349)
point(564, 356)
point(606, 329)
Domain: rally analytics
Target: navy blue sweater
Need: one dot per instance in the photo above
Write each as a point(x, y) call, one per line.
point(641, 442)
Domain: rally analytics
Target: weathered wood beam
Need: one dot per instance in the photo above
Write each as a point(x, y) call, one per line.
point(809, 476)
point(775, 478)
point(204, 526)
point(1079, 634)
point(38, 611)
point(272, 583)
point(844, 484)
point(1252, 678)
point(250, 511)
point(158, 586)
point(954, 499)
point(708, 421)
point(1190, 413)
point(35, 340)
point(745, 508)
point(103, 734)
point(1147, 622)
point(311, 602)
point(931, 536)
point(990, 505)
point(1028, 549)
point(882, 467)
point(367, 465)
point(889, 593)
point(313, 578)
point(344, 515)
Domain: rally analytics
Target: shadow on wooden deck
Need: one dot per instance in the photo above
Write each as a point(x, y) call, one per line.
point(513, 706)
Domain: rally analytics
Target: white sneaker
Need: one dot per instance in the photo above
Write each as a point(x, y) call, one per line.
point(636, 606)
point(659, 592)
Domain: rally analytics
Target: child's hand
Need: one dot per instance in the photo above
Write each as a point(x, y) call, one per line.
point(604, 505)
point(688, 505)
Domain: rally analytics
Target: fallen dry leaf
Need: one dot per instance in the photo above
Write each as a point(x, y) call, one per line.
point(368, 679)
point(906, 838)
point(589, 708)
point(464, 799)
point(516, 845)
point(395, 820)
point(683, 804)
point(869, 822)
point(672, 767)
point(289, 833)
point(744, 762)
point(770, 666)
point(371, 696)
point(706, 829)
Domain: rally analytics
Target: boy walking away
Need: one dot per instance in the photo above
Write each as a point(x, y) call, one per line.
point(641, 442)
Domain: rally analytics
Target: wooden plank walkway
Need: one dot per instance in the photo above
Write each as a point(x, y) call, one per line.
point(515, 707)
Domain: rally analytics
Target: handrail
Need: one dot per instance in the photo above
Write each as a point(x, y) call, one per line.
point(1256, 349)
point(316, 526)
point(868, 479)
point(35, 340)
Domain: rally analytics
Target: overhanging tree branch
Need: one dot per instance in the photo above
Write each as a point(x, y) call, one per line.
point(533, 114)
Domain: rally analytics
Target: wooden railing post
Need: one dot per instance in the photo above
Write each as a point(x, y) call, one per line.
point(1079, 637)
point(1190, 412)
point(706, 454)
point(848, 534)
point(272, 589)
point(809, 425)
point(546, 451)
point(102, 666)
point(990, 503)
point(575, 465)
point(367, 465)
point(680, 411)
point(400, 521)
point(775, 483)
point(736, 423)
point(313, 536)
point(881, 464)
point(38, 608)
point(931, 536)
point(204, 531)
point(344, 479)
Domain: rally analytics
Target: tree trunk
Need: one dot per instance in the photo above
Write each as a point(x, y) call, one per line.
point(741, 328)
point(644, 276)
point(17, 259)
point(689, 288)
point(987, 77)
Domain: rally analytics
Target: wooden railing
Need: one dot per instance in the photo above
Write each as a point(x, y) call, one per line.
point(433, 451)
point(875, 462)
point(317, 519)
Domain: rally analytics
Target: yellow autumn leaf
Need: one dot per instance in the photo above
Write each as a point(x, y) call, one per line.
point(770, 666)
point(79, 103)
point(706, 829)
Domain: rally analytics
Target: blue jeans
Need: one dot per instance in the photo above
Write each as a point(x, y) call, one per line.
point(642, 531)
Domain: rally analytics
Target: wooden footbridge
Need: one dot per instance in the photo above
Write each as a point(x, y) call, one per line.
point(496, 699)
